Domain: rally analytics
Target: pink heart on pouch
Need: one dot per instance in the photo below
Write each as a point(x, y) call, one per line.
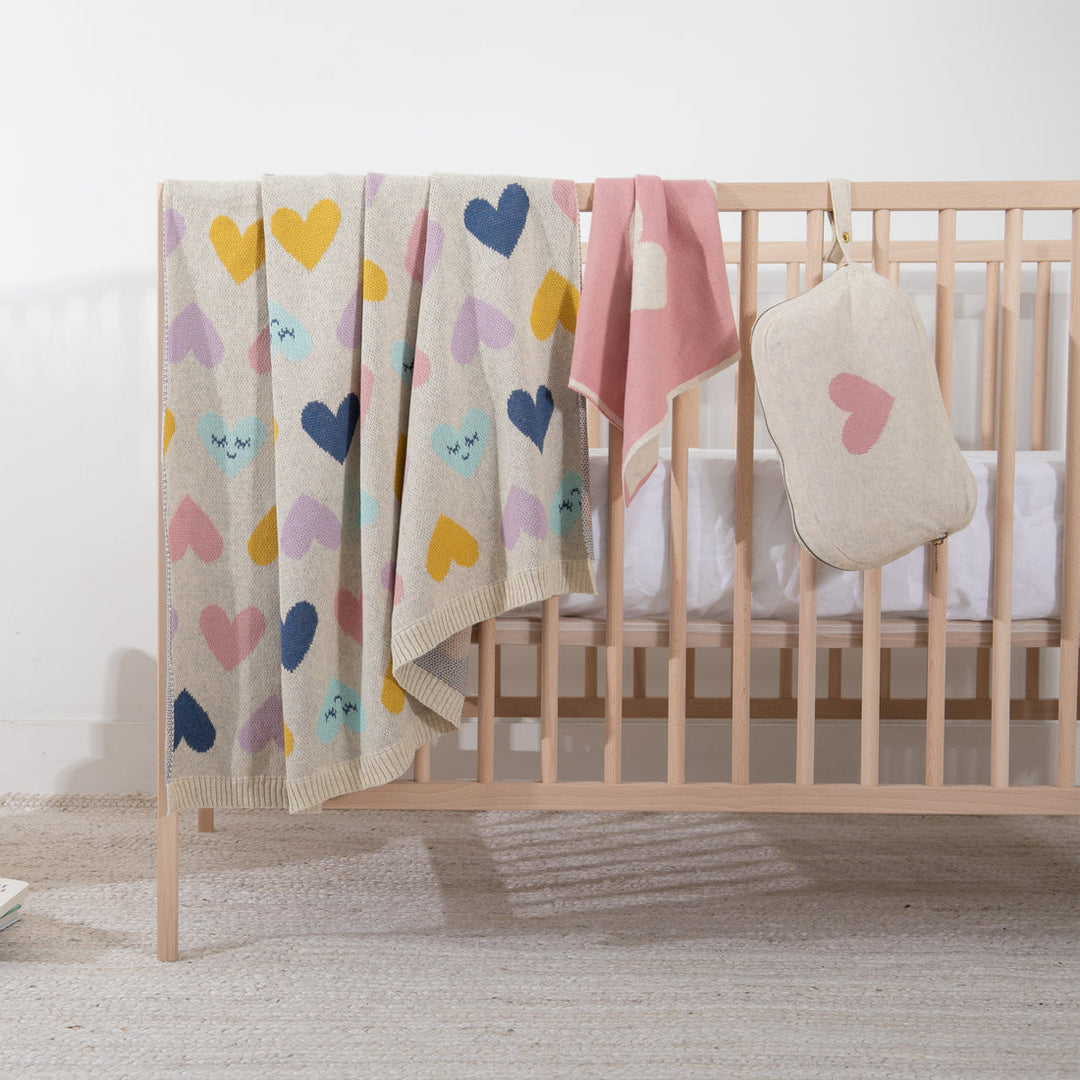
point(565, 195)
point(192, 332)
point(522, 512)
point(259, 353)
point(230, 640)
point(391, 579)
point(869, 406)
point(190, 527)
point(349, 611)
point(175, 227)
point(478, 322)
point(265, 724)
point(309, 520)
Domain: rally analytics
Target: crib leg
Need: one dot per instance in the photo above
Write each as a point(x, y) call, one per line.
point(168, 887)
point(206, 819)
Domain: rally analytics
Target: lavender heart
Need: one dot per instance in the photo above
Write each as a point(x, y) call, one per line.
point(265, 723)
point(175, 227)
point(433, 247)
point(371, 186)
point(477, 322)
point(192, 332)
point(522, 512)
point(348, 328)
point(392, 582)
point(309, 520)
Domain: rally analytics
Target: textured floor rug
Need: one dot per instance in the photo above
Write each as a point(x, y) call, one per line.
point(541, 945)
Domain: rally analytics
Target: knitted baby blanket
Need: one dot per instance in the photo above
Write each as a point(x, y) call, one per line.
point(656, 314)
point(369, 446)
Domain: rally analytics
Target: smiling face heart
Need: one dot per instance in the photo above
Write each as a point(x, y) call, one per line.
point(232, 449)
point(463, 450)
point(287, 334)
point(566, 506)
point(342, 705)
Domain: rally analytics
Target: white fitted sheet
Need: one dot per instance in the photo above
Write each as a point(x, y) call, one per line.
point(1039, 504)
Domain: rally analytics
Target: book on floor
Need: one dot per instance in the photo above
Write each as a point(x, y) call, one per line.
point(11, 894)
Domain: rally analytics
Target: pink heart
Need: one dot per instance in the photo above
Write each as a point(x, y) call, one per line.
point(421, 371)
point(348, 327)
point(367, 386)
point(869, 406)
point(522, 511)
point(259, 353)
point(192, 332)
point(477, 322)
point(391, 579)
point(265, 724)
point(231, 640)
point(309, 520)
point(191, 526)
point(175, 227)
point(565, 194)
point(350, 614)
point(425, 247)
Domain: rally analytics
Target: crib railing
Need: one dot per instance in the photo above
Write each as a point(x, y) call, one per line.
point(798, 642)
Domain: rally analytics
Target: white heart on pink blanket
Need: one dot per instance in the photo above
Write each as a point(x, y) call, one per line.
point(648, 287)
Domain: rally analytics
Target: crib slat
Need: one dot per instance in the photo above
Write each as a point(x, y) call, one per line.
point(988, 419)
point(1070, 583)
point(938, 554)
point(676, 726)
point(549, 690)
point(1003, 515)
point(805, 706)
point(639, 671)
point(869, 735)
point(744, 504)
point(613, 657)
point(485, 704)
point(786, 688)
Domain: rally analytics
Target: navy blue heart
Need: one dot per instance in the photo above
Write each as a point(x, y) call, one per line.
point(297, 633)
point(191, 722)
point(333, 432)
point(500, 229)
point(531, 417)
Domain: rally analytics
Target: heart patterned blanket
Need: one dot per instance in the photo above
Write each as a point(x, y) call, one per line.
point(369, 446)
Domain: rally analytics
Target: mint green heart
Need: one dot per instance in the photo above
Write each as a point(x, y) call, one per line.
point(369, 508)
point(340, 706)
point(566, 507)
point(463, 450)
point(403, 357)
point(231, 450)
point(288, 335)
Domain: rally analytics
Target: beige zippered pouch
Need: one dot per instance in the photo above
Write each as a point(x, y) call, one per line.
point(851, 399)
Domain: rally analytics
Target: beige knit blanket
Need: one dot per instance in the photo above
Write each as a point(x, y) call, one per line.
point(369, 446)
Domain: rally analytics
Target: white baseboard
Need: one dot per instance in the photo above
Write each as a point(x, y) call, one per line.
point(110, 757)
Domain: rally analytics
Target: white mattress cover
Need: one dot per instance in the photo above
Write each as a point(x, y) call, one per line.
point(1037, 532)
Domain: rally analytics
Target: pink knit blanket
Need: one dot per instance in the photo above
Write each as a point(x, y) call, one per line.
point(655, 316)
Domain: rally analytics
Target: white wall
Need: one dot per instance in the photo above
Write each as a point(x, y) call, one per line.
point(102, 100)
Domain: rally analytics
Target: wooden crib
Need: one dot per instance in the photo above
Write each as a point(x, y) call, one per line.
point(797, 697)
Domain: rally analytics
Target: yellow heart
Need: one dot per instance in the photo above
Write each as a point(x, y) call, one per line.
point(556, 301)
point(288, 741)
point(307, 241)
point(450, 543)
point(375, 284)
point(262, 544)
point(170, 428)
point(240, 255)
point(393, 697)
point(399, 465)
point(275, 429)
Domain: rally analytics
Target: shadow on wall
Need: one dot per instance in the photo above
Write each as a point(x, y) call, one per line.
point(122, 755)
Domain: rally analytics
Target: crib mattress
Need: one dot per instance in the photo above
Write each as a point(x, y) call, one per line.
point(1039, 504)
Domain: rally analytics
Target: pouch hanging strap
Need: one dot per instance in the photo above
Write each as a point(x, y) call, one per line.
point(840, 217)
